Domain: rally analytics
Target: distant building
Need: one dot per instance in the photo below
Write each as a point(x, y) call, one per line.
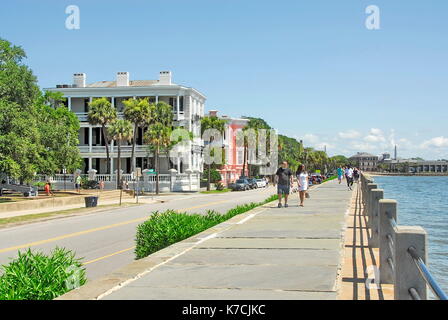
point(187, 105)
point(365, 161)
point(417, 166)
point(233, 168)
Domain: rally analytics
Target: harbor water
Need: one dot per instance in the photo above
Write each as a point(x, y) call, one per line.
point(423, 201)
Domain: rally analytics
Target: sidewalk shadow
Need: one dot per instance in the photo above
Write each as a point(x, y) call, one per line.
point(363, 257)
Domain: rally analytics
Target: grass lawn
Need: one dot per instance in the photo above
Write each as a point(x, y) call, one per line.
point(216, 191)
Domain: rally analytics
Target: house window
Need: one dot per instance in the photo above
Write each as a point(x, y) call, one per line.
point(240, 157)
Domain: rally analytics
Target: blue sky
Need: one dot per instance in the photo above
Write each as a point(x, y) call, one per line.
point(310, 68)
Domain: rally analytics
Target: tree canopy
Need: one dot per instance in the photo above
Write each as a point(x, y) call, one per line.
point(38, 134)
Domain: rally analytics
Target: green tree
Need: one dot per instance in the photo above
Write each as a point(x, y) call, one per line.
point(37, 132)
point(59, 136)
point(255, 124)
point(20, 147)
point(212, 123)
point(102, 113)
point(159, 132)
point(138, 112)
point(120, 131)
point(17, 82)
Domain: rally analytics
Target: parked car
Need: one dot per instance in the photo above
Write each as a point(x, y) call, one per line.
point(241, 185)
point(261, 183)
point(316, 178)
point(253, 183)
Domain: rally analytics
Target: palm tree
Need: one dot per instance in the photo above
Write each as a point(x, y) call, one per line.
point(212, 123)
point(255, 124)
point(120, 130)
point(138, 112)
point(102, 113)
point(159, 132)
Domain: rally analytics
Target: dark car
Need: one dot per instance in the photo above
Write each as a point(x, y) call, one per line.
point(241, 185)
point(253, 183)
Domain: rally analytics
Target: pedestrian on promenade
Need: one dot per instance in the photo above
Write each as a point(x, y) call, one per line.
point(101, 185)
point(302, 181)
point(356, 174)
point(78, 183)
point(283, 178)
point(349, 177)
point(340, 174)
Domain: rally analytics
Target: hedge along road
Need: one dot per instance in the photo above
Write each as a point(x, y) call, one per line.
point(105, 240)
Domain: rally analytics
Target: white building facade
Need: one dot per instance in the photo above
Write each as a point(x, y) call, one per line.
point(188, 108)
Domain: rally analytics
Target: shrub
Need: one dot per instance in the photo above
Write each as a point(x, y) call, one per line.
point(219, 186)
point(166, 228)
point(36, 276)
point(39, 184)
point(89, 184)
point(215, 176)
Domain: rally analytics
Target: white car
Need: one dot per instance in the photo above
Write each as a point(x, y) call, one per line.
point(261, 183)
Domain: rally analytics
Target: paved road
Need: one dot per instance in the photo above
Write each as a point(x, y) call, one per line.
point(106, 239)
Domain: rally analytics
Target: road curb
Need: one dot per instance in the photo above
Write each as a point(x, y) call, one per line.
point(99, 288)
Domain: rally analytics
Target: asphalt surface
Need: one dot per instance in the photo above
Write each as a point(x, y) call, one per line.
point(105, 240)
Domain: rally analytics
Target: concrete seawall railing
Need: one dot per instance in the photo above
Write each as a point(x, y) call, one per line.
point(403, 249)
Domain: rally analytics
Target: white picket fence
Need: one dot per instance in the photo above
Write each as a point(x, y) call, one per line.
point(173, 182)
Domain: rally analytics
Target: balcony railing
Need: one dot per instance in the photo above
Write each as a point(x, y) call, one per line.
point(112, 149)
point(82, 116)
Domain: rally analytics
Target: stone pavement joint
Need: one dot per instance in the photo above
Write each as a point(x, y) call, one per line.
point(288, 253)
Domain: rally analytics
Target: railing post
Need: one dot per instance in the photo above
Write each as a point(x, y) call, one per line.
point(370, 187)
point(387, 208)
point(374, 240)
point(407, 275)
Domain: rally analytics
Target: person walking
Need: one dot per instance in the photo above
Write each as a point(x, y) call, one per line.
point(349, 177)
point(47, 189)
point(356, 174)
point(302, 181)
point(78, 183)
point(340, 174)
point(283, 178)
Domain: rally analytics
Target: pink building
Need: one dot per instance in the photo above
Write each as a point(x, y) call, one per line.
point(233, 167)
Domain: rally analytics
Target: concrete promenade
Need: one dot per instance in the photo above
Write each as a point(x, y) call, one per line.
point(269, 253)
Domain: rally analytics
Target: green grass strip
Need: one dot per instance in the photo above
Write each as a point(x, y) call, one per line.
point(165, 228)
point(36, 276)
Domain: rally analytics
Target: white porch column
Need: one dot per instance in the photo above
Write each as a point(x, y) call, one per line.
point(90, 141)
point(90, 163)
point(69, 100)
point(178, 106)
point(111, 165)
point(178, 165)
point(112, 102)
point(157, 99)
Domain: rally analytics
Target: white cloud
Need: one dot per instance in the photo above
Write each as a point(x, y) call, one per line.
point(351, 134)
point(310, 138)
point(375, 135)
point(438, 142)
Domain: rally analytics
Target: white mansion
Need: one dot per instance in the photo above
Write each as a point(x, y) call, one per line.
point(188, 109)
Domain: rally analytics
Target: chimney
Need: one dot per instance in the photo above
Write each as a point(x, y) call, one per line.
point(165, 78)
point(213, 113)
point(79, 80)
point(122, 79)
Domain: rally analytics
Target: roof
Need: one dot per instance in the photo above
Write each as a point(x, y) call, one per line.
point(132, 83)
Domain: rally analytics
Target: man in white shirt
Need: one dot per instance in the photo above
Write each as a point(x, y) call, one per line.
point(349, 177)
